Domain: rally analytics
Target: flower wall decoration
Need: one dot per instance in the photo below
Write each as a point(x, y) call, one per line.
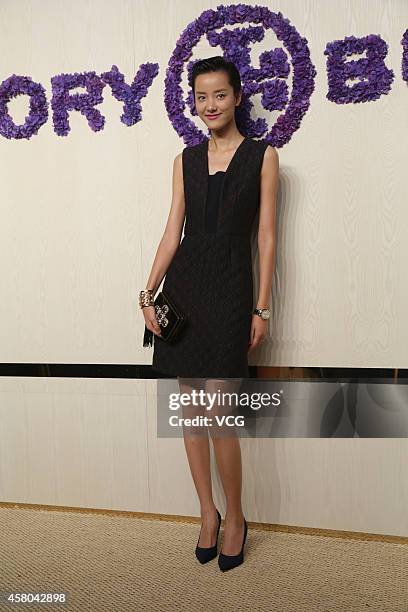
point(374, 78)
point(404, 66)
point(63, 101)
point(16, 85)
point(270, 79)
point(284, 79)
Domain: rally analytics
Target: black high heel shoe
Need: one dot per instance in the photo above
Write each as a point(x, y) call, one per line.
point(227, 562)
point(205, 554)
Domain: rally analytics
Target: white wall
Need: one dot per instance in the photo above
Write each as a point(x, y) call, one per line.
point(92, 443)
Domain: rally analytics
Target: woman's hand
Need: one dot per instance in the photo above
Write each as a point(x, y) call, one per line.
point(150, 320)
point(259, 328)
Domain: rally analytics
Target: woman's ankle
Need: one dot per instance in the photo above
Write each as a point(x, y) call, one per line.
point(208, 510)
point(234, 516)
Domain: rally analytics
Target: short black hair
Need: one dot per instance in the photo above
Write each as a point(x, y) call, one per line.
point(213, 64)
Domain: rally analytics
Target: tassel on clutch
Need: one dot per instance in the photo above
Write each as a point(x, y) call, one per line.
point(148, 337)
point(169, 317)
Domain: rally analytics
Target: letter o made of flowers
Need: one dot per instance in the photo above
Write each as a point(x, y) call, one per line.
point(22, 85)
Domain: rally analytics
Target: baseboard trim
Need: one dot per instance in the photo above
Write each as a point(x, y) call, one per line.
point(295, 529)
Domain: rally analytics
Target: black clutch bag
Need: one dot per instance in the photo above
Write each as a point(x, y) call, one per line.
point(169, 317)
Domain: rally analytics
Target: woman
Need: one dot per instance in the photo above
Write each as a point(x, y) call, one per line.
point(218, 187)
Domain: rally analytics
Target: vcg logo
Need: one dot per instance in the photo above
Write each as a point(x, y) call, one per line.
point(284, 79)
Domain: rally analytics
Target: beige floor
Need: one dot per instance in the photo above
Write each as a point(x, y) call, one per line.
point(116, 562)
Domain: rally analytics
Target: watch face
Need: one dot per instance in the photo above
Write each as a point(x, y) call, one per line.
point(265, 314)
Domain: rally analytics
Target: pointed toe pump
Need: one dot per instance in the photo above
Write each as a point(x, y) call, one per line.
point(227, 562)
point(205, 554)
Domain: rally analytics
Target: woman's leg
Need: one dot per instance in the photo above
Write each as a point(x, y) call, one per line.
point(198, 454)
point(228, 456)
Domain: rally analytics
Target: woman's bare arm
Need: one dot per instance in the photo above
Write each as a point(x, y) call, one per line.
point(172, 232)
point(169, 242)
point(267, 221)
point(266, 241)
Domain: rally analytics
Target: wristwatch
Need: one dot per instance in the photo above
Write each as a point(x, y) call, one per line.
point(264, 313)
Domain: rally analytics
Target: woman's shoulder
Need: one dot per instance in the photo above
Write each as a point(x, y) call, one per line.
point(195, 146)
point(190, 151)
point(266, 151)
point(261, 144)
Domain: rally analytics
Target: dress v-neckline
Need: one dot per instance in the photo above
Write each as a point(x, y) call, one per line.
point(231, 160)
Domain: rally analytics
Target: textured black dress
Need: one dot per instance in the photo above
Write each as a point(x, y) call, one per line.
point(210, 276)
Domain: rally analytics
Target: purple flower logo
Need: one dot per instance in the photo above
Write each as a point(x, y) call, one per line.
point(404, 64)
point(270, 79)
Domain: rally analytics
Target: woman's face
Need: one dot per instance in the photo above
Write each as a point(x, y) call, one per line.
point(214, 99)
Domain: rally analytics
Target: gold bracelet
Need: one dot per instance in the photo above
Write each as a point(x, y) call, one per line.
point(146, 298)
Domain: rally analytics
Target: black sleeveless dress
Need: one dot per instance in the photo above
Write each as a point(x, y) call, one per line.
point(210, 276)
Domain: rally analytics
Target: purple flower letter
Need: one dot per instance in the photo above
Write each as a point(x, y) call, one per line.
point(404, 65)
point(374, 78)
point(14, 86)
point(131, 94)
